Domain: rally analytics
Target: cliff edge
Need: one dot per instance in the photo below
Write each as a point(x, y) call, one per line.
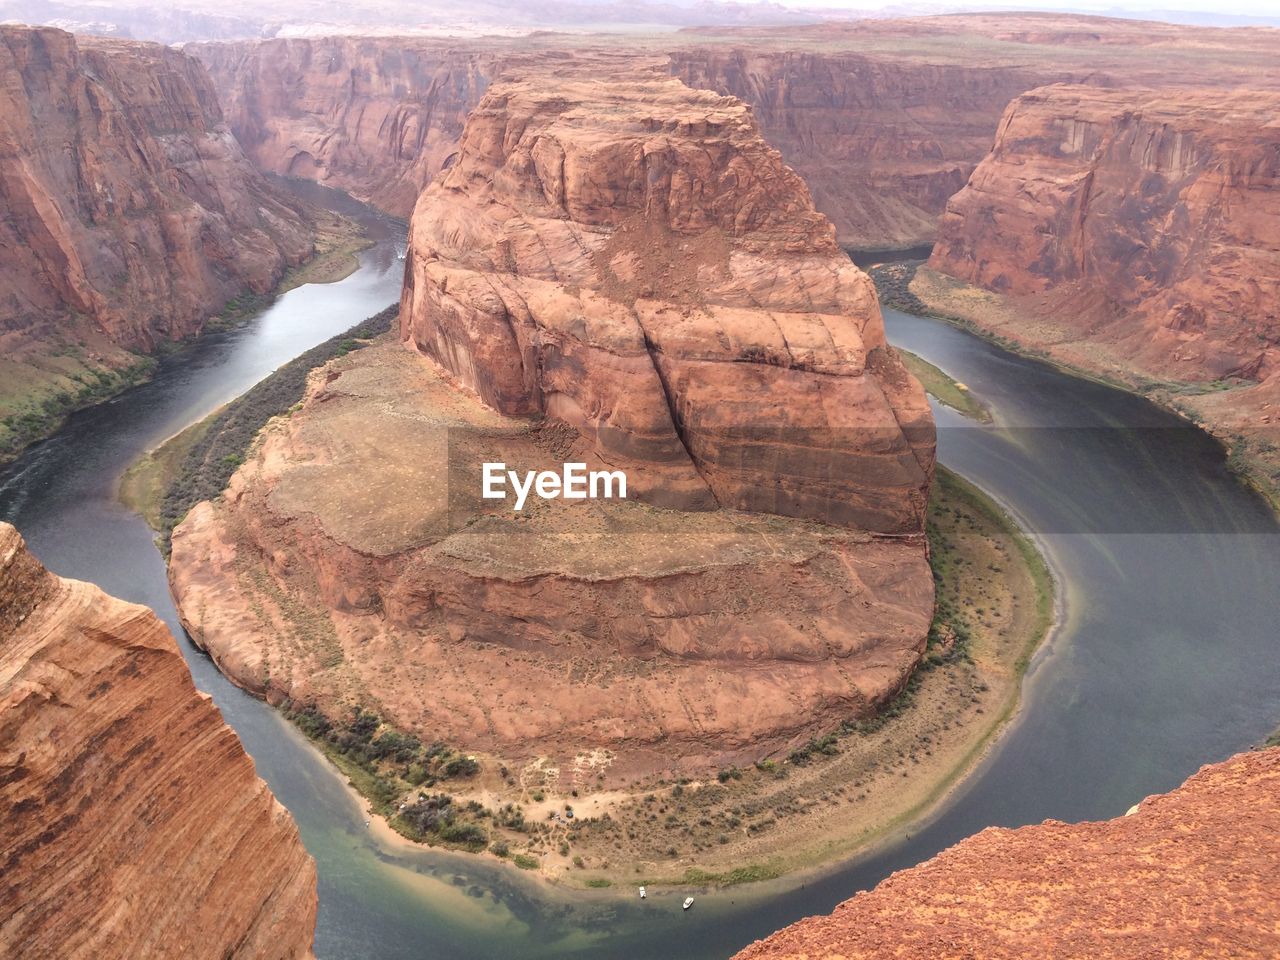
point(132, 823)
point(1191, 873)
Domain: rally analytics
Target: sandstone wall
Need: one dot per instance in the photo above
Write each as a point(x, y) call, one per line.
point(1155, 217)
point(882, 143)
point(616, 270)
point(131, 821)
point(129, 204)
point(377, 117)
point(1191, 873)
point(625, 253)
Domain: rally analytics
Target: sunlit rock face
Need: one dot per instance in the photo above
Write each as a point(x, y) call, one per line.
point(1207, 853)
point(626, 254)
point(1148, 220)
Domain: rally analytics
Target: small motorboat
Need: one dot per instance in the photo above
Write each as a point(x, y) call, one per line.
point(642, 894)
point(688, 902)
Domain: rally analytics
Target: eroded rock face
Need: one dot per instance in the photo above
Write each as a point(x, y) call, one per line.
point(378, 117)
point(1191, 873)
point(884, 119)
point(881, 142)
point(624, 253)
point(128, 203)
point(131, 821)
point(1153, 216)
point(616, 271)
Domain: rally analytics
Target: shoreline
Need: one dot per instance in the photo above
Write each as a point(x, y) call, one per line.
point(894, 282)
point(338, 243)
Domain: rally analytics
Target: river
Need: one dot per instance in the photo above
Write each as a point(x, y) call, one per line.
point(1164, 660)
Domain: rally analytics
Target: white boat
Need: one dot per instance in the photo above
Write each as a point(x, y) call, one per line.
point(688, 902)
point(642, 893)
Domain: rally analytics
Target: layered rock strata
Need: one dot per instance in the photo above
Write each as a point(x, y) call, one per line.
point(378, 117)
point(128, 202)
point(884, 119)
point(882, 142)
point(631, 258)
point(1190, 873)
point(1146, 224)
point(616, 271)
point(131, 821)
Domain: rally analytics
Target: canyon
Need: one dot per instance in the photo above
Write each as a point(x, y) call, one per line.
point(614, 258)
point(1151, 217)
point(1189, 873)
point(134, 823)
point(131, 216)
point(884, 119)
point(1134, 234)
point(618, 271)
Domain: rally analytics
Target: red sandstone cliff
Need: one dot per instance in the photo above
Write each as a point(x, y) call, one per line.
point(616, 270)
point(883, 119)
point(128, 201)
point(626, 254)
point(1192, 873)
point(131, 821)
point(377, 117)
point(882, 142)
point(1151, 218)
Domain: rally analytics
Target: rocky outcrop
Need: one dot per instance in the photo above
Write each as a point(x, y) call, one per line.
point(881, 142)
point(618, 271)
point(1150, 219)
point(378, 117)
point(128, 201)
point(131, 821)
point(1191, 873)
point(631, 258)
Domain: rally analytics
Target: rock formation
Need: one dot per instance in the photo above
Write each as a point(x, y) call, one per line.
point(128, 202)
point(617, 270)
point(1151, 218)
point(1192, 873)
point(377, 117)
point(884, 119)
point(131, 821)
point(882, 142)
point(631, 258)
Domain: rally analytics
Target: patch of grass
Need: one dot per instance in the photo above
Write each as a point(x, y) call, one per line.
point(598, 883)
point(525, 862)
point(944, 388)
point(752, 873)
point(143, 486)
point(40, 407)
point(893, 285)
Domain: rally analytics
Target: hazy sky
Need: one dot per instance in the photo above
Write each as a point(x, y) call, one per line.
point(1268, 8)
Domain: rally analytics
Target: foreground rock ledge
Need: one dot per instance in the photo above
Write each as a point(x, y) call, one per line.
point(617, 270)
point(131, 821)
point(1192, 873)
